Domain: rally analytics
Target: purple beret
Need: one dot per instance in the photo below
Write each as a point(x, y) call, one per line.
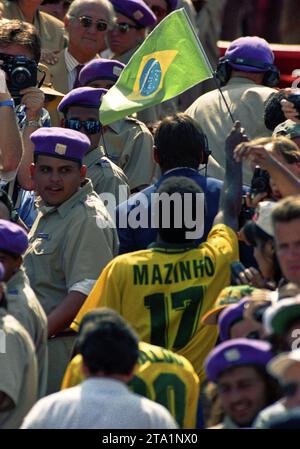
point(2, 271)
point(237, 352)
point(229, 316)
point(100, 69)
point(136, 10)
point(82, 96)
point(13, 238)
point(60, 142)
point(251, 48)
point(172, 4)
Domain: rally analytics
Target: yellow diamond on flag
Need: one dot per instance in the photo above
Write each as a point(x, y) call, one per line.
point(151, 73)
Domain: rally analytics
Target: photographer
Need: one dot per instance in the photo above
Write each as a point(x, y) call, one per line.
point(20, 52)
point(10, 138)
point(280, 157)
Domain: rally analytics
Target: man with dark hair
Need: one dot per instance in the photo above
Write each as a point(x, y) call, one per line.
point(286, 222)
point(109, 350)
point(155, 364)
point(238, 367)
point(247, 75)
point(273, 114)
point(163, 291)
point(72, 239)
point(180, 146)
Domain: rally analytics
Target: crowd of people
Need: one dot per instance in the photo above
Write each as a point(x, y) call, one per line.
point(149, 268)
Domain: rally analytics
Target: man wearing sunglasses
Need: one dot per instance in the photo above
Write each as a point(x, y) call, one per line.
point(130, 30)
point(286, 368)
point(87, 23)
point(80, 108)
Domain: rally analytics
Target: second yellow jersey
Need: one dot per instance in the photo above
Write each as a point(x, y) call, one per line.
point(164, 291)
point(159, 375)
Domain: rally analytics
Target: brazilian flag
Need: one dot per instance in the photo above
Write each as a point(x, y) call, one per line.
point(170, 61)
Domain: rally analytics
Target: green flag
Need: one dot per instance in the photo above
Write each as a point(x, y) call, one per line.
point(170, 61)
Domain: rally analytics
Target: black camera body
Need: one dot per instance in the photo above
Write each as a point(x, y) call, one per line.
point(295, 99)
point(260, 182)
point(21, 73)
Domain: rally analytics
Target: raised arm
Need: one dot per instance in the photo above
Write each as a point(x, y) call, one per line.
point(231, 196)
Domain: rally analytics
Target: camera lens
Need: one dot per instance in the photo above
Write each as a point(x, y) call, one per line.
point(20, 77)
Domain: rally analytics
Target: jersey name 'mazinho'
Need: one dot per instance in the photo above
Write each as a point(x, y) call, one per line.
point(170, 273)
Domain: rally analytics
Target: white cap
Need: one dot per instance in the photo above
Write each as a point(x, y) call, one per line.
point(279, 364)
point(263, 216)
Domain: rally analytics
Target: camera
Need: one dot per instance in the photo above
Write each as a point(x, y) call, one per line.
point(260, 182)
point(295, 99)
point(21, 73)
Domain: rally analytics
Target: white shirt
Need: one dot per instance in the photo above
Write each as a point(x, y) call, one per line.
point(71, 64)
point(98, 403)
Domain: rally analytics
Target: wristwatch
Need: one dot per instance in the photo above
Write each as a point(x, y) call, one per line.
point(35, 123)
point(10, 103)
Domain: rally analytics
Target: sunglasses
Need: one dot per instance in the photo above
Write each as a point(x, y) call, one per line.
point(289, 389)
point(87, 22)
point(90, 126)
point(124, 27)
point(159, 11)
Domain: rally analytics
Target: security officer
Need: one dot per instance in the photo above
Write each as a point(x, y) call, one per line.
point(71, 241)
point(18, 368)
point(21, 300)
point(128, 142)
point(248, 76)
point(81, 112)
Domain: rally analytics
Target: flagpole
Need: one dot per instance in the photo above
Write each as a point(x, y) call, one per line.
point(216, 81)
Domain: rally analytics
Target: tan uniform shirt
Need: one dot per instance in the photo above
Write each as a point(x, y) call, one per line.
point(106, 176)
point(49, 28)
point(129, 144)
point(24, 306)
point(246, 101)
point(18, 370)
point(69, 244)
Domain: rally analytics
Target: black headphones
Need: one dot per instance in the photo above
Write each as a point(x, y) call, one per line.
point(223, 72)
point(206, 152)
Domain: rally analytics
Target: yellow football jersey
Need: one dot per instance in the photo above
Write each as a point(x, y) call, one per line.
point(160, 375)
point(164, 291)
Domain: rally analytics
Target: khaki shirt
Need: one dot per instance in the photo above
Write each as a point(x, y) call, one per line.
point(50, 30)
point(18, 370)
point(69, 244)
point(129, 144)
point(106, 176)
point(24, 306)
point(246, 101)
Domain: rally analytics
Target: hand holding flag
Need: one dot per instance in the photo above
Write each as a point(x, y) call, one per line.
point(170, 61)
